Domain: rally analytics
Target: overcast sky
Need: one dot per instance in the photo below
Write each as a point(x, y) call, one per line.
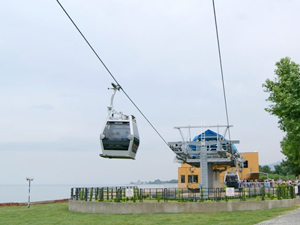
point(53, 90)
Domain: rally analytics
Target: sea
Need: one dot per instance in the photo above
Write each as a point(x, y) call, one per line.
point(20, 193)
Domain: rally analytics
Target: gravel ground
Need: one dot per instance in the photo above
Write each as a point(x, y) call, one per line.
point(292, 218)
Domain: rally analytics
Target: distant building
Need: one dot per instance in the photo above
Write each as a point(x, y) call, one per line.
point(189, 176)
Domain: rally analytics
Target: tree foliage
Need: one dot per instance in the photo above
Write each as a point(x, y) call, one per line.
point(283, 171)
point(283, 168)
point(284, 97)
point(265, 169)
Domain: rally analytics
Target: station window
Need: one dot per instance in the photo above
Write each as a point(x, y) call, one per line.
point(246, 164)
point(182, 179)
point(193, 179)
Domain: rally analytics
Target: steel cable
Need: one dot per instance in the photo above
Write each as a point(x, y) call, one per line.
point(220, 61)
point(221, 68)
point(111, 73)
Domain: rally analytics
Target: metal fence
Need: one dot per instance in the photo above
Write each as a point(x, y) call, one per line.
point(135, 194)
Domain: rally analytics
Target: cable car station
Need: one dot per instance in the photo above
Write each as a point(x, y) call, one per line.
point(210, 151)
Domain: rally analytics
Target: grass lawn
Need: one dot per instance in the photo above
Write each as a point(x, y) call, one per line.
point(58, 213)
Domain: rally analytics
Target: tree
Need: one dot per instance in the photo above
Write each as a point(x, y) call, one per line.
point(265, 169)
point(283, 169)
point(284, 93)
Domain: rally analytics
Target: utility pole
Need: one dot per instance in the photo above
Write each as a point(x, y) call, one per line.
point(29, 179)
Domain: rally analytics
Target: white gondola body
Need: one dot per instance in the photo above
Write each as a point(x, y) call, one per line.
point(120, 138)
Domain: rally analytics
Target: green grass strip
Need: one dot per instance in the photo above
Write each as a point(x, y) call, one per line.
point(58, 213)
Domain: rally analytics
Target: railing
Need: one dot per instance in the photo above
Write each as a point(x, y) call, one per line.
point(135, 194)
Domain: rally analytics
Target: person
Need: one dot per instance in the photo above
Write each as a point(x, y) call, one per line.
point(244, 183)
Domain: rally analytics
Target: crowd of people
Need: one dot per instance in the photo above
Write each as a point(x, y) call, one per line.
point(249, 183)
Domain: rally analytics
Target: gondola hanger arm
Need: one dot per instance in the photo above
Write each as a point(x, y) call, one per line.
point(111, 110)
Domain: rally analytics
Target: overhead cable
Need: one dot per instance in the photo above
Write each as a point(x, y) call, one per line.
point(111, 73)
point(221, 68)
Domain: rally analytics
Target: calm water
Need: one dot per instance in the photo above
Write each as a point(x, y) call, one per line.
point(19, 193)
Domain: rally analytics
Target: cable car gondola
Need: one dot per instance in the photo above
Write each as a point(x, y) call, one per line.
point(119, 138)
point(232, 180)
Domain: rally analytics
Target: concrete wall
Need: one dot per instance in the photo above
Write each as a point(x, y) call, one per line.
point(176, 207)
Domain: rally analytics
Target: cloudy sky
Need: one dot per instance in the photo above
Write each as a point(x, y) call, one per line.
point(53, 90)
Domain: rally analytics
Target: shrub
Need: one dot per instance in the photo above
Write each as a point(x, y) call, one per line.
point(158, 196)
point(243, 194)
point(91, 194)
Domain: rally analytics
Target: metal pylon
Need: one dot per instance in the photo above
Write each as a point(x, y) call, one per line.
point(203, 165)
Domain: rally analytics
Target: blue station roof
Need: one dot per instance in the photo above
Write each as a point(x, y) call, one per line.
point(210, 136)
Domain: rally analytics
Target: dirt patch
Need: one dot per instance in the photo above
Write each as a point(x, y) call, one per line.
point(10, 204)
point(33, 203)
point(61, 200)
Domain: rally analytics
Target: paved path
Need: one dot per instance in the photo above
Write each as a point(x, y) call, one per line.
point(292, 218)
